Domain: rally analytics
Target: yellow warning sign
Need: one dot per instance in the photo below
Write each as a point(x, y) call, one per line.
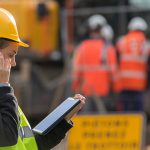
point(107, 132)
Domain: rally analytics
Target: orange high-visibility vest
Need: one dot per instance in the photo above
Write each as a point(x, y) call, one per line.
point(133, 50)
point(92, 67)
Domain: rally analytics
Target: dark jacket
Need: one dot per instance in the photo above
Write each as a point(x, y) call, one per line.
point(9, 123)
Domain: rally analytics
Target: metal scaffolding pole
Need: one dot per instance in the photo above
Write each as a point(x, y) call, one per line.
point(107, 10)
point(122, 20)
point(69, 8)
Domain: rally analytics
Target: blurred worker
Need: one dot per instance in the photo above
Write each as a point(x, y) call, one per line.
point(91, 67)
point(15, 131)
point(107, 34)
point(133, 55)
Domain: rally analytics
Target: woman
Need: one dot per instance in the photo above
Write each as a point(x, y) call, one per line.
point(15, 131)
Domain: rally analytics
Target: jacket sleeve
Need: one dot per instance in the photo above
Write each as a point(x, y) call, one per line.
point(54, 137)
point(8, 117)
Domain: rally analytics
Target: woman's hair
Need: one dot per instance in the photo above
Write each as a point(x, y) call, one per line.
point(4, 42)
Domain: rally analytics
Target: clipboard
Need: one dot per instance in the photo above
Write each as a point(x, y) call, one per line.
point(62, 111)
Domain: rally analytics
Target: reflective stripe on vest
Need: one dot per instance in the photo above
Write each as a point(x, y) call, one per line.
point(133, 74)
point(92, 68)
point(25, 132)
point(131, 58)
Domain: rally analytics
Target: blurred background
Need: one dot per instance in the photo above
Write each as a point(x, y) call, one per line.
point(53, 29)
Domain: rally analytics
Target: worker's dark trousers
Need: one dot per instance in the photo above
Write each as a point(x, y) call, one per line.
point(131, 100)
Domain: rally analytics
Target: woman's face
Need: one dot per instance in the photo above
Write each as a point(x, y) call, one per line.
point(10, 51)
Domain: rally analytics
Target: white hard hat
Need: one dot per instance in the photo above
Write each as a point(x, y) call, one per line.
point(96, 20)
point(137, 23)
point(107, 32)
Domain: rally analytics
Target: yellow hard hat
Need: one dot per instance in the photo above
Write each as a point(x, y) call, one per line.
point(8, 27)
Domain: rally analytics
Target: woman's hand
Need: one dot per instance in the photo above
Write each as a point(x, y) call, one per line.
point(75, 111)
point(81, 98)
point(5, 67)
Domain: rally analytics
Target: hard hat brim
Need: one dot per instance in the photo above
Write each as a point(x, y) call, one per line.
point(20, 43)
